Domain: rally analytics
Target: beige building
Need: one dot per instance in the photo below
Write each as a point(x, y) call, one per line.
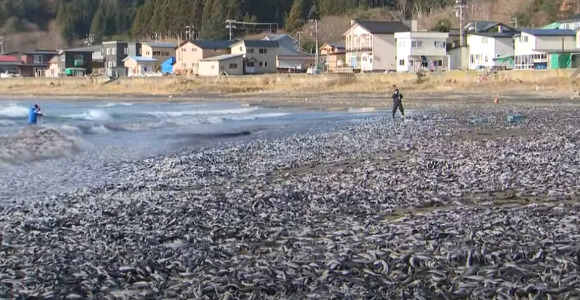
point(228, 64)
point(259, 55)
point(370, 45)
point(159, 51)
point(139, 65)
point(189, 53)
point(333, 56)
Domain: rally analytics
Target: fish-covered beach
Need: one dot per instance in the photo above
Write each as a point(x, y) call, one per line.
point(132, 200)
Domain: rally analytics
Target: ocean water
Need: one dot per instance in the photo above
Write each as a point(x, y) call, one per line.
point(75, 143)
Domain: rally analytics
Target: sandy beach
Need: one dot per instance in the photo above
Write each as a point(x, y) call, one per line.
point(327, 198)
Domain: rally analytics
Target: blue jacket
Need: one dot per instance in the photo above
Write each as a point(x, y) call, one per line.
point(32, 115)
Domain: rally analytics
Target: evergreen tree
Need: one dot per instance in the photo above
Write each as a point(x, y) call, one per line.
point(206, 19)
point(294, 21)
point(98, 24)
point(313, 14)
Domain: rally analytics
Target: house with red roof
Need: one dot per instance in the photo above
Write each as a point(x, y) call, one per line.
point(10, 63)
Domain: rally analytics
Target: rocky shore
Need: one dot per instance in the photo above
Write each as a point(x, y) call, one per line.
point(455, 204)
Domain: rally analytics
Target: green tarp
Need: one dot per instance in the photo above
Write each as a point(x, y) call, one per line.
point(560, 61)
point(555, 25)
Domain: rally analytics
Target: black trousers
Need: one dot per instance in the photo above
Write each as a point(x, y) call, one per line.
point(398, 104)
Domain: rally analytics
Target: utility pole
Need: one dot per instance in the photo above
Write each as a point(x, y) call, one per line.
point(189, 29)
point(230, 26)
point(315, 21)
point(2, 49)
point(459, 7)
point(299, 40)
point(515, 21)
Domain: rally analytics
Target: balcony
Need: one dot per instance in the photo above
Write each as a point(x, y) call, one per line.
point(361, 48)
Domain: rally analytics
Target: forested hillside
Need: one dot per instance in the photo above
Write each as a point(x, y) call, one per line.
point(105, 19)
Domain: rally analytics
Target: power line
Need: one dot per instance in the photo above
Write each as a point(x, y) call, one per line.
point(231, 25)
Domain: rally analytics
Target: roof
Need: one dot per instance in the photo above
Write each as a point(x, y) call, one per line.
point(160, 45)
point(259, 43)
point(222, 57)
point(283, 51)
point(554, 25)
point(549, 32)
point(85, 49)
point(41, 52)
point(495, 34)
point(338, 45)
point(140, 59)
point(277, 37)
point(209, 44)
point(572, 18)
point(380, 27)
point(9, 59)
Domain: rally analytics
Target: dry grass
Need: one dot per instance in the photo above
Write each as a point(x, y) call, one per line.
point(294, 84)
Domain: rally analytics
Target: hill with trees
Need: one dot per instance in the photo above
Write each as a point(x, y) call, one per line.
point(74, 20)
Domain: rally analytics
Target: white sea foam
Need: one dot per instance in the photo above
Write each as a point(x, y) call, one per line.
point(91, 115)
point(116, 104)
point(175, 114)
point(13, 111)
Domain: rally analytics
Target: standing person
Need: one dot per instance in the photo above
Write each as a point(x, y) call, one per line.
point(398, 103)
point(33, 114)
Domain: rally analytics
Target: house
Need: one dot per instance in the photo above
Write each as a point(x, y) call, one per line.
point(167, 66)
point(289, 58)
point(545, 48)
point(333, 55)
point(421, 50)
point(159, 51)
point(10, 64)
point(114, 52)
point(53, 70)
point(34, 63)
point(490, 49)
point(73, 62)
point(189, 53)
point(139, 65)
point(571, 23)
point(370, 45)
point(259, 55)
point(229, 64)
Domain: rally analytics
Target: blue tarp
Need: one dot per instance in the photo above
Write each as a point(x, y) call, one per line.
point(167, 66)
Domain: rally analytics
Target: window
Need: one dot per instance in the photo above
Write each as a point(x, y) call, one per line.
point(416, 44)
point(185, 49)
point(233, 66)
point(471, 59)
point(193, 49)
point(126, 51)
point(194, 65)
point(523, 39)
point(114, 64)
point(440, 45)
point(38, 59)
point(250, 50)
point(108, 51)
point(440, 63)
point(250, 64)
point(241, 48)
point(401, 62)
point(212, 67)
point(114, 51)
point(401, 43)
point(155, 53)
point(484, 40)
point(184, 65)
point(265, 64)
point(486, 60)
point(263, 50)
point(260, 63)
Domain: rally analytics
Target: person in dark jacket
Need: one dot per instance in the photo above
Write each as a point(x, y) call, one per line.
point(398, 103)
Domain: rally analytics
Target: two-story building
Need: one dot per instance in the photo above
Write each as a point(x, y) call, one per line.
point(158, 51)
point(259, 55)
point(490, 49)
point(544, 48)
point(333, 55)
point(10, 64)
point(34, 63)
point(114, 52)
point(571, 23)
point(421, 51)
point(289, 57)
point(189, 53)
point(71, 62)
point(370, 45)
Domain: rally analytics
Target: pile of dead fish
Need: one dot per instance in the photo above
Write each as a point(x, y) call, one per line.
point(433, 208)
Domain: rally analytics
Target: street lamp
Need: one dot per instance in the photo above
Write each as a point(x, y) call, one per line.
point(315, 21)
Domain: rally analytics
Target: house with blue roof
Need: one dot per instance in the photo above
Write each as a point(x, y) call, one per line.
point(139, 65)
point(538, 48)
point(491, 49)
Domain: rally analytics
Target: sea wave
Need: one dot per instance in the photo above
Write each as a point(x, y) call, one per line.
point(116, 104)
point(13, 111)
point(175, 114)
point(7, 123)
point(90, 115)
point(36, 143)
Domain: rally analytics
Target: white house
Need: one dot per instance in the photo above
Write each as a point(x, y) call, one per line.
point(571, 23)
point(486, 47)
point(533, 46)
point(370, 45)
point(421, 50)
